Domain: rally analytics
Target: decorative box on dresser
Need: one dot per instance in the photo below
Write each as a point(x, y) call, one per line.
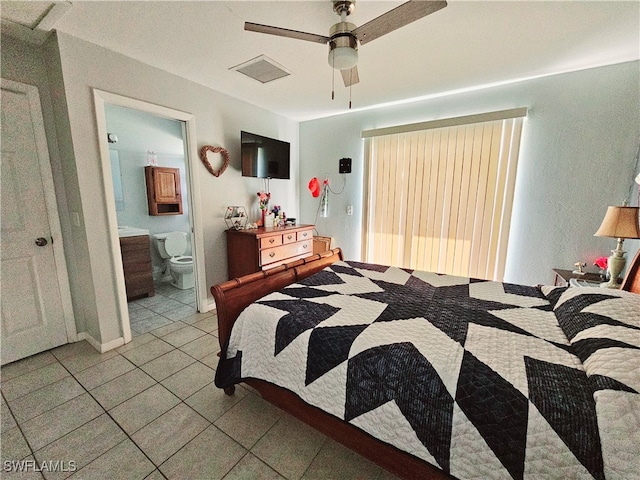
point(255, 249)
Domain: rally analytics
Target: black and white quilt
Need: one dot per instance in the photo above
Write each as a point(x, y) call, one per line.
point(482, 379)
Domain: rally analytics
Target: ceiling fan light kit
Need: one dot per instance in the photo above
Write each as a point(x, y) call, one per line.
point(344, 37)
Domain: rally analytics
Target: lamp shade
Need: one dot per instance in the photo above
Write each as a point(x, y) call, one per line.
point(620, 222)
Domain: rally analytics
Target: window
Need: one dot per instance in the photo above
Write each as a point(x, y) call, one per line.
point(440, 194)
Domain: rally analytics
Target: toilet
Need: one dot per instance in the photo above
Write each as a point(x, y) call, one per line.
point(171, 246)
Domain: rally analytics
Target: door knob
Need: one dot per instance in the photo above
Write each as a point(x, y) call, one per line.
point(41, 242)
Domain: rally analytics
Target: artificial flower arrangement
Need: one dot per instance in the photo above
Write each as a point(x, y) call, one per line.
point(264, 198)
point(602, 263)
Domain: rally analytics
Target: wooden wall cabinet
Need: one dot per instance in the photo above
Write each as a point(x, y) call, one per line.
point(136, 263)
point(256, 249)
point(163, 190)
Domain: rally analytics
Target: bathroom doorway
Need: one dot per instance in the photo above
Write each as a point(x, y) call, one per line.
point(135, 135)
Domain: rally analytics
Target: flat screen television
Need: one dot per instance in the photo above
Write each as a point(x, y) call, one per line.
point(264, 157)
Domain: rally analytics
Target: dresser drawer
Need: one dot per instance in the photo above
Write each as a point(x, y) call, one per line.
point(305, 235)
point(271, 255)
point(289, 238)
point(271, 241)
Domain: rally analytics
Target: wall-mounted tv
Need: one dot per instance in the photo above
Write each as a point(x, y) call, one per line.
point(264, 157)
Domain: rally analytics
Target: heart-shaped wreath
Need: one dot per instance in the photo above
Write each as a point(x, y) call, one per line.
point(205, 159)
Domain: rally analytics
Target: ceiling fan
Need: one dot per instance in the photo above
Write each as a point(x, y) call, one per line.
point(344, 37)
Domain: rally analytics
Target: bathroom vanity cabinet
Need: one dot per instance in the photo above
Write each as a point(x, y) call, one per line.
point(163, 190)
point(136, 263)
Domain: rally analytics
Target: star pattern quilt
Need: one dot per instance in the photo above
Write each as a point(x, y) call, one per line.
point(482, 379)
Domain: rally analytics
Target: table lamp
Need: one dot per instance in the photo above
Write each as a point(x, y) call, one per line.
point(620, 223)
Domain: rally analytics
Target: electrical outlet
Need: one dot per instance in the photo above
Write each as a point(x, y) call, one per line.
point(349, 209)
point(344, 165)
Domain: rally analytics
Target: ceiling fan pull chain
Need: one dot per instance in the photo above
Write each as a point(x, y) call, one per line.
point(350, 83)
point(333, 80)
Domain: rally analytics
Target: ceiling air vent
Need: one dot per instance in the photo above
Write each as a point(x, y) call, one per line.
point(262, 69)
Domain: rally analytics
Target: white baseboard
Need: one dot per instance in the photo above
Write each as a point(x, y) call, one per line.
point(101, 347)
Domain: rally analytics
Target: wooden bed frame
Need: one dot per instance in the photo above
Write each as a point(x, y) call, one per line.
point(234, 296)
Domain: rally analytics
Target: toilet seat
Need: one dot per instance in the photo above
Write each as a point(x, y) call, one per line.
point(175, 244)
point(182, 260)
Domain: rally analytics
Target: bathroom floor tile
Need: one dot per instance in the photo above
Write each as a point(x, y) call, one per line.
point(169, 433)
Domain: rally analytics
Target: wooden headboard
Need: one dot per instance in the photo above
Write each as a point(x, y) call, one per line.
point(631, 281)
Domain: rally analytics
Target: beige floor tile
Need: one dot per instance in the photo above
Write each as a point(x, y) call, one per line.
point(289, 447)
point(84, 360)
point(83, 445)
point(56, 423)
point(45, 398)
point(13, 445)
point(122, 388)
point(155, 475)
point(212, 359)
point(182, 336)
point(169, 433)
point(147, 352)
point(71, 349)
point(210, 455)
point(123, 462)
point(211, 402)
point(252, 468)
point(32, 381)
point(201, 347)
point(208, 324)
point(145, 407)
point(189, 380)
point(171, 327)
point(167, 364)
point(193, 319)
point(6, 417)
point(185, 311)
point(150, 324)
point(136, 342)
point(249, 420)
point(26, 471)
point(337, 461)
point(26, 365)
point(104, 372)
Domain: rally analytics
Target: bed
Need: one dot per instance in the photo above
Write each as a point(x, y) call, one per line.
point(435, 376)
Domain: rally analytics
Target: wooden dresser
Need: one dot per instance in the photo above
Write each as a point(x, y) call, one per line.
point(136, 263)
point(256, 249)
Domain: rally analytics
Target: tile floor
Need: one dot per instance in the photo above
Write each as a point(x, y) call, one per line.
point(149, 410)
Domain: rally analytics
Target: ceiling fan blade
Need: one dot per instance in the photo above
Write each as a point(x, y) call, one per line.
point(398, 17)
point(350, 77)
point(284, 32)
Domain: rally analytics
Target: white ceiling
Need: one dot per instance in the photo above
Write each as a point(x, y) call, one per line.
point(465, 45)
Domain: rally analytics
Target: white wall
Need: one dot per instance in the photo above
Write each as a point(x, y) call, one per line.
point(75, 68)
point(578, 152)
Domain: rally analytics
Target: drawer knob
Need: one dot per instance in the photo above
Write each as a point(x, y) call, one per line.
point(305, 234)
point(272, 254)
point(289, 237)
point(271, 240)
point(305, 245)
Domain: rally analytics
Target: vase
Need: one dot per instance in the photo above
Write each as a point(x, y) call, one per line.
point(263, 212)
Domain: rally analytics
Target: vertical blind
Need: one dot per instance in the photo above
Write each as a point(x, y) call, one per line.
point(440, 199)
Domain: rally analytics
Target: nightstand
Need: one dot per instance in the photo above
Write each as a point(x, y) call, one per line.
point(563, 277)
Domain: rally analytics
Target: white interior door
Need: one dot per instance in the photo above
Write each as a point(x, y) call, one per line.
point(32, 303)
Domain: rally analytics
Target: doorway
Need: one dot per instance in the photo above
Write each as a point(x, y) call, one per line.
point(181, 125)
